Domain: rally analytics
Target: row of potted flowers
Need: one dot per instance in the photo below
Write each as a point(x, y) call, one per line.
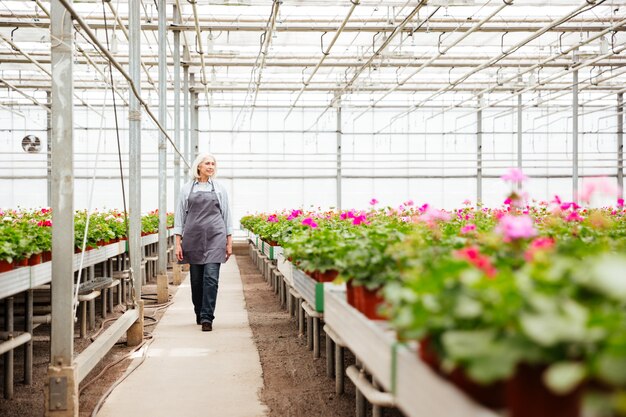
point(26, 234)
point(511, 297)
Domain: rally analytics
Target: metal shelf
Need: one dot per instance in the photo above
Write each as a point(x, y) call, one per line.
point(24, 278)
point(417, 391)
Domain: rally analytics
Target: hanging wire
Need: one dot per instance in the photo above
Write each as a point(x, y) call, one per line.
point(117, 129)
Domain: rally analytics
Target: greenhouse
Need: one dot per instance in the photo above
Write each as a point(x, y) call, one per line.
point(410, 208)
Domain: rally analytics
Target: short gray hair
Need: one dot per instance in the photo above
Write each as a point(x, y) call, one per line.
point(199, 159)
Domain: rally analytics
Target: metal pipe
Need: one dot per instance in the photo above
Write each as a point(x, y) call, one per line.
point(438, 55)
point(620, 144)
point(176, 104)
point(8, 346)
point(61, 51)
point(126, 34)
point(541, 64)
point(94, 353)
point(339, 155)
point(186, 93)
point(365, 387)
point(200, 50)
point(324, 55)
point(519, 137)
point(492, 61)
point(162, 262)
point(263, 55)
point(382, 47)
point(116, 64)
point(28, 328)
point(134, 156)
point(479, 153)
point(575, 135)
point(48, 152)
point(194, 122)
point(294, 26)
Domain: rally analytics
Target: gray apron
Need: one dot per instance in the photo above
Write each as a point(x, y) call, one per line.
point(204, 235)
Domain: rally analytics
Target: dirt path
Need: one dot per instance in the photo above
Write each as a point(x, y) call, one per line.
point(295, 384)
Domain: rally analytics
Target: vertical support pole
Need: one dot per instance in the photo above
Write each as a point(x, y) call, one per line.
point(162, 261)
point(134, 160)
point(176, 57)
point(519, 136)
point(620, 144)
point(10, 355)
point(339, 136)
point(61, 391)
point(194, 120)
point(339, 372)
point(49, 152)
point(575, 136)
point(186, 152)
point(479, 151)
point(28, 347)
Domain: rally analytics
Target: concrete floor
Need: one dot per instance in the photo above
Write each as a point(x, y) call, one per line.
point(190, 373)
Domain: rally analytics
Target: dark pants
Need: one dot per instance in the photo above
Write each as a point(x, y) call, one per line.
point(204, 280)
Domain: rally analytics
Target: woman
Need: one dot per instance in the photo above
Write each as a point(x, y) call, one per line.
point(203, 230)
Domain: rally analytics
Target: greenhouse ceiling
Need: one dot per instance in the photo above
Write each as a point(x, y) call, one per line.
point(319, 53)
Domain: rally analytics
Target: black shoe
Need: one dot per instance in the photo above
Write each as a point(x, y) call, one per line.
point(207, 327)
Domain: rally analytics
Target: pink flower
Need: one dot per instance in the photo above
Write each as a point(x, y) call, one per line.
point(424, 208)
point(557, 200)
point(620, 202)
point(373, 202)
point(294, 214)
point(514, 175)
point(309, 222)
point(473, 256)
point(538, 245)
point(45, 223)
point(468, 228)
point(357, 220)
point(467, 203)
point(508, 201)
point(516, 227)
point(568, 205)
point(593, 185)
point(542, 243)
point(431, 215)
point(409, 203)
point(574, 217)
point(272, 219)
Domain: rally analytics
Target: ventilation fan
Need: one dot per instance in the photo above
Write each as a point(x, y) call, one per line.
point(31, 144)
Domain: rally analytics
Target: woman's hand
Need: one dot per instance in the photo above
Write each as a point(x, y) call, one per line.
point(229, 246)
point(179, 251)
point(229, 250)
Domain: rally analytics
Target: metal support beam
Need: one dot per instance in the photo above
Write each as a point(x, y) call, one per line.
point(49, 153)
point(519, 136)
point(28, 346)
point(176, 105)
point(620, 144)
point(575, 136)
point(61, 398)
point(162, 262)
point(6, 348)
point(134, 157)
point(186, 151)
point(339, 134)
point(194, 122)
point(479, 152)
